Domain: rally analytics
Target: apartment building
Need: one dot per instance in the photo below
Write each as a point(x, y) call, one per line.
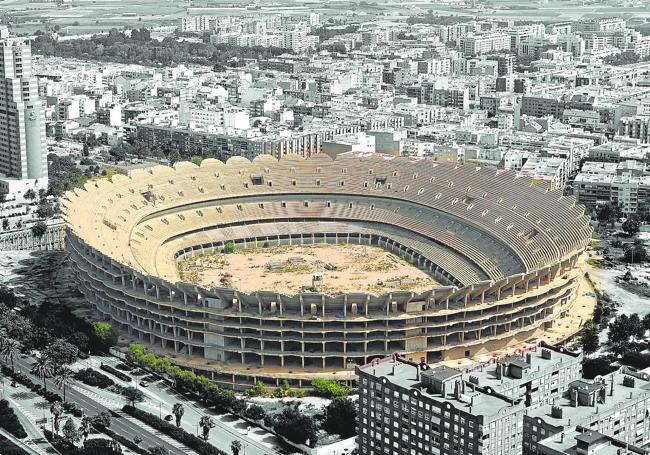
point(22, 120)
point(483, 43)
point(411, 408)
point(615, 405)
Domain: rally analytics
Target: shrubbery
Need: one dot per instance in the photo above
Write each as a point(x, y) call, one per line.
point(190, 440)
point(9, 448)
point(330, 388)
point(117, 373)
point(294, 425)
point(94, 378)
point(341, 417)
point(202, 387)
point(31, 385)
point(9, 420)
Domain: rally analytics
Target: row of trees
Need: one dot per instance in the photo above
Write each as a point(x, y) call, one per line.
point(52, 329)
point(137, 46)
point(623, 330)
point(290, 422)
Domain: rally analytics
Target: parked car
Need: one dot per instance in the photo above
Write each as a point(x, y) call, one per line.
point(169, 418)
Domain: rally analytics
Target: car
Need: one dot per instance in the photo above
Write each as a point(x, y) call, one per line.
point(169, 418)
point(144, 384)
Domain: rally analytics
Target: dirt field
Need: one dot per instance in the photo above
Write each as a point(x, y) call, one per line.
point(287, 269)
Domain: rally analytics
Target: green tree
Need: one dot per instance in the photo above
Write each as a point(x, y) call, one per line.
point(43, 368)
point(340, 417)
point(206, 423)
point(178, 410)
point(229, 247)
point(330, 388)
point(235, 447)
point(105, 336)
point(5, 224)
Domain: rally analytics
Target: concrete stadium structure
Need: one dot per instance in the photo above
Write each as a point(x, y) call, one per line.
point(504, 250)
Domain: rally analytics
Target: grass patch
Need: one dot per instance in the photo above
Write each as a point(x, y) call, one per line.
point(592, 262)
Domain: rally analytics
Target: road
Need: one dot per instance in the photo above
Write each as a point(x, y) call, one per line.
point(159, 400)
point(119, 425)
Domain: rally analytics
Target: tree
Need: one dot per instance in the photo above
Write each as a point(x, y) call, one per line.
point(43, 368)
point(39, 229)
point(206, 423)
point(62, 378)
point(632, 225)
point(229, 247)
point(158, 450)
point(178, 410)
point(56, 409)
point(295, 426)
point(340, 417)
point(608, 213)
point(85, 427)
point(133, 395)
point(330, 388)
point(646, 322)
point(105, 336)
point(10, 349)
point(100, 446)
point(625, 327)
point(635, 254)
point(45, 210)
point(255, 412)
point(5, 224)
point(235, 447)
point(590, 341)
point(30, 194)
point(103, 419)
point(69, 431)
point(61, 352)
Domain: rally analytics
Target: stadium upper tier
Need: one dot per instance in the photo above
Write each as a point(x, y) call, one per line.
point(500, 223)
point(484, 234)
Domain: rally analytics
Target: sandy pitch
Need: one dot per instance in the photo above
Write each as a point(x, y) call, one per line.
point(357, 268)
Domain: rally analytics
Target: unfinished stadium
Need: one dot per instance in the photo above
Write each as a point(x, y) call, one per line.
point(502, 252)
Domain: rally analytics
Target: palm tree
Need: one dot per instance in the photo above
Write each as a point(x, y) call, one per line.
point(178, 410)
point(85, 427)
point(10, 350)
point(206, 423)
point(57, 411)
point(43, 368)
point(62, 378)
point(235, 447)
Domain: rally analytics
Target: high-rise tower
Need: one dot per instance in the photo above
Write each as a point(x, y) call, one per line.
point(22, 121)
